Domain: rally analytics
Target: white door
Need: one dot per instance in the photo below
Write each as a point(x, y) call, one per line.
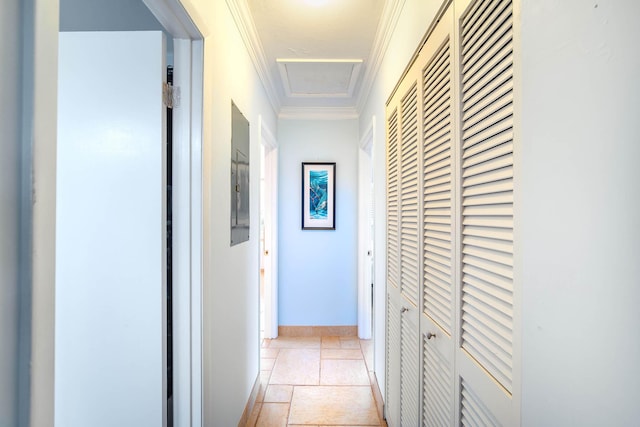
point(404, 261)
point(464, 241)
point(270, 250)
point(438, 226)
point(365, 236)
point(484, 355)
point(110, 357)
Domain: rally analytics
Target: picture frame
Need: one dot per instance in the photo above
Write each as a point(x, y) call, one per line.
point(318, 196)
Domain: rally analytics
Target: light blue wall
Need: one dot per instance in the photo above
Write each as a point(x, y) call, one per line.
point(112, 15)
point(318, 269)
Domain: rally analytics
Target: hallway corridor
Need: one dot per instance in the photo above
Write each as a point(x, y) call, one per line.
point(316, 381)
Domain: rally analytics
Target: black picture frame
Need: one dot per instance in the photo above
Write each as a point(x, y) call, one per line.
point(318, 196)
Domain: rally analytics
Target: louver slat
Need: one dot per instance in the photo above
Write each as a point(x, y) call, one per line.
point(487, 196)
point(473, 412)
point(409, 261)
point(490, 28)
point(437, 226)
point(410, 374)
point(393, 368)
point(436, 399)
point(392, 201)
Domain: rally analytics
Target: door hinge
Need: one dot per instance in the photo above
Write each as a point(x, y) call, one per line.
point(170, 95)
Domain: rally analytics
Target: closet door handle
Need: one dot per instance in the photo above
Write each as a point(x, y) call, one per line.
point(404, 310)
point(430, 335)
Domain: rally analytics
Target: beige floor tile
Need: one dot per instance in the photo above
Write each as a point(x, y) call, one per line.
point(343, 372)
point(330, 342)
point(254, 415)
point(273, 415)
point(266, 364)
point(333, 405)
point(297, 367)
point(295, 342)
point(269, 353)
point(265, 343)
point(349, 342)
point(341, 353)
point(278, 393)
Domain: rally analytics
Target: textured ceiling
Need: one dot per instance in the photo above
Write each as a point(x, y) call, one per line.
point(316, 51)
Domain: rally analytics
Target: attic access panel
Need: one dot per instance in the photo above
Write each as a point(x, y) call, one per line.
point(240, 145)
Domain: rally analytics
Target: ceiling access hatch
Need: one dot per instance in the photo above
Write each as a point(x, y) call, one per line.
point(319, 78)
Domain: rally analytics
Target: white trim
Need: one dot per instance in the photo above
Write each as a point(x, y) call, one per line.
point(318, 113)
point(181, 222)
point(366, 141)
point(365, 251)
point(197, 93)
point(174, 18)
point(388, 21)
point(247, 29)
point(271, 230)
point(187, 207)
point(266, 136)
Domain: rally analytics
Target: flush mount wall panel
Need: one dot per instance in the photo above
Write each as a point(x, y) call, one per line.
point(239, 176)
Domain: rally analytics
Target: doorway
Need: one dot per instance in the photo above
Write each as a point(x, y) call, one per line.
point(366, 230)
point(268, 233)
point(180, 352)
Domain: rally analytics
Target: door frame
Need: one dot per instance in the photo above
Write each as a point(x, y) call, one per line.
point(187, 31)
point(365, 249)
point(270, 144)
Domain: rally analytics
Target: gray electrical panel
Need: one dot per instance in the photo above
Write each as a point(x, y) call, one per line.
point(240, 146)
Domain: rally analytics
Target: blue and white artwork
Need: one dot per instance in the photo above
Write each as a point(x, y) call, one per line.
point(318, 185)
point(318, 196)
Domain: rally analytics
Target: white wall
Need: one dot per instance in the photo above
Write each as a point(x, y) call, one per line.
point(231, 274)
point(415, 17)
point(9, 210)
point(317, 268)
point(577, 218)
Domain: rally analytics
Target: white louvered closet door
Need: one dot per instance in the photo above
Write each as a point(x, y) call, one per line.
point(485, 354)
point(392, 401)
point(437, 231)
point(409, 257)
point(403, 295)
point(450, 304)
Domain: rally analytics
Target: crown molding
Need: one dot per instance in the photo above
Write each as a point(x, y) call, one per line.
point(244, 21)
point(388, 21)
point(318, 113)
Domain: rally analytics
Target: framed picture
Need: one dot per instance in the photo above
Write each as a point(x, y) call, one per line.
point(318, 196)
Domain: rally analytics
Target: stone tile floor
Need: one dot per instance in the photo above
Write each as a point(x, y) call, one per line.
point(315, 381)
